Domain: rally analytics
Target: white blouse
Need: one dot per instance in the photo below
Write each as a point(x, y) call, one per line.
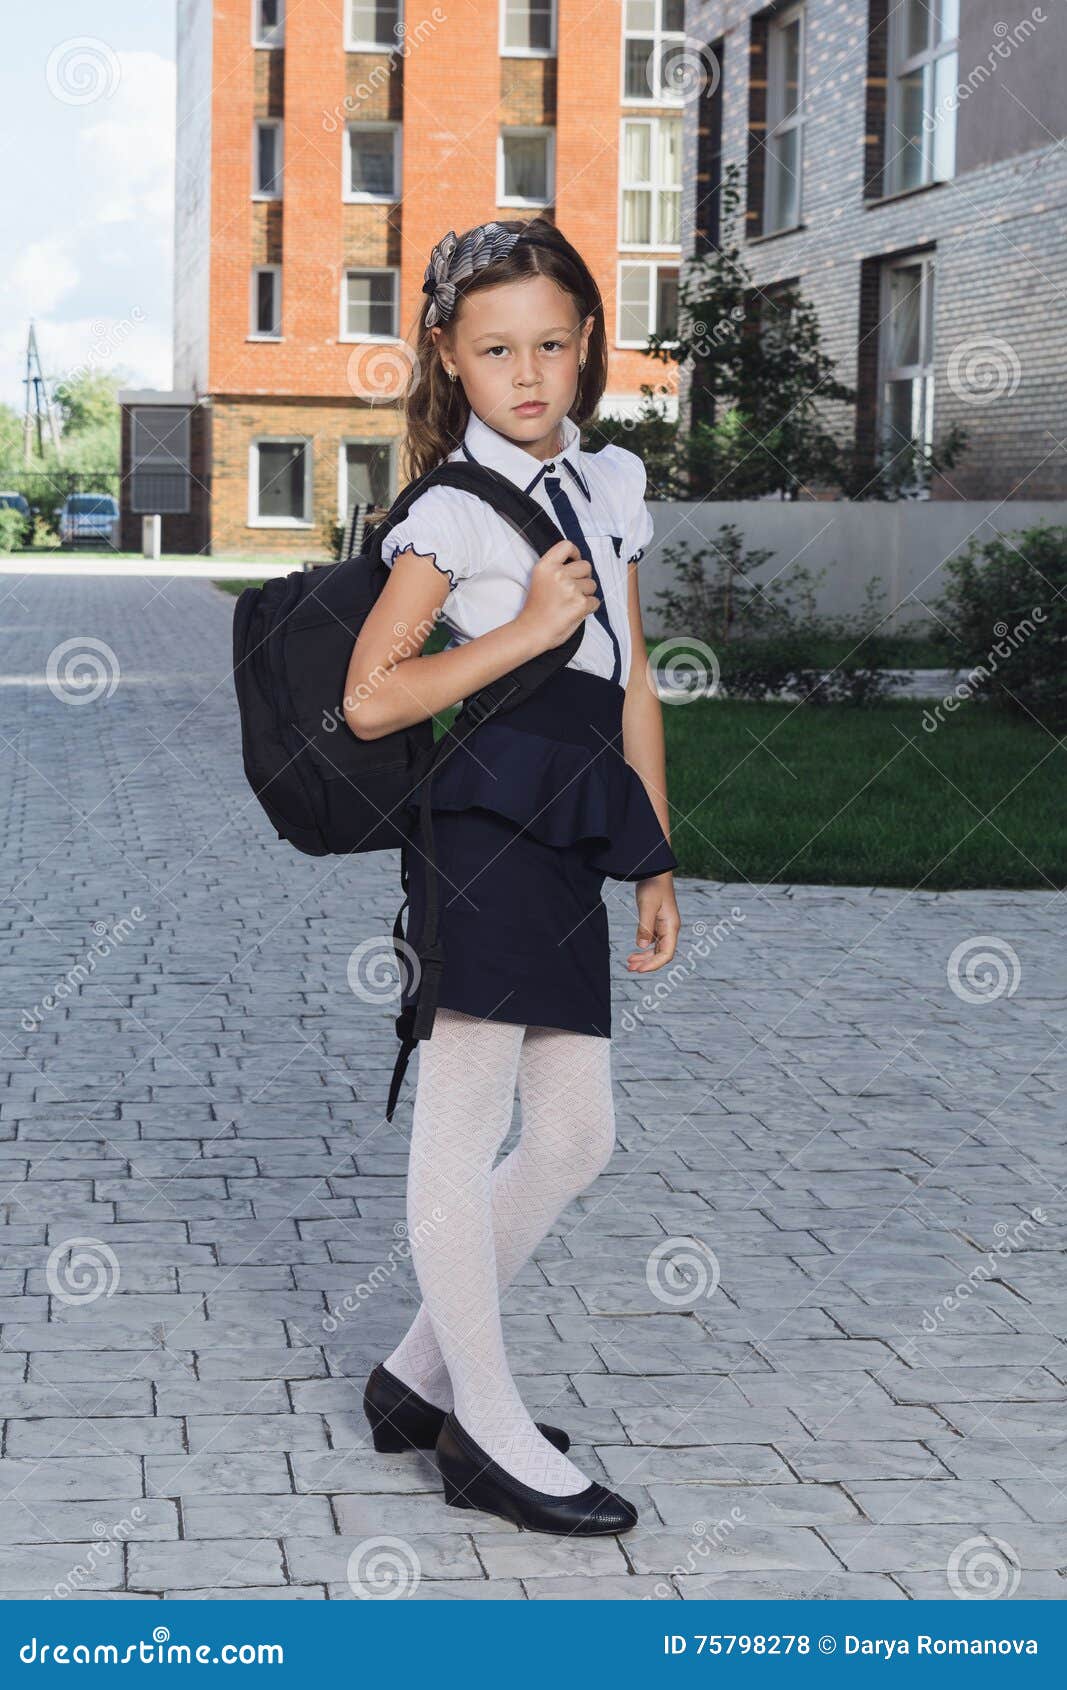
point(489, 564)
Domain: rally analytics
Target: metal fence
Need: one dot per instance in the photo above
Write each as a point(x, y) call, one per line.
point(75, 507)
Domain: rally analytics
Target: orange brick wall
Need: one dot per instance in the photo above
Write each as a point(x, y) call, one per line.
point(326, 422)
point(452, 91)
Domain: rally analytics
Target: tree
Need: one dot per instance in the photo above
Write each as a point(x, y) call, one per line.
point(760, 385)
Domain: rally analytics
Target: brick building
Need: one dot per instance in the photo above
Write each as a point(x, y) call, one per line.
point(904, 167)
point(323, 150)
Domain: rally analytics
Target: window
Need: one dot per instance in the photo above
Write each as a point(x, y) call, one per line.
point(773, 307)
point(369, 305)
point(651, 182)
point(921, 118)
point(374, 24)
point(266, 302)
point(785, 117)
point(268, 23)
point(653, 31)
point(526, 167)
point(366, 475)
point(372, 161)
point(906, 376)
point(527, 28)
point(267, 176)
point(648, 303)
point(159, 459)
point(279, 483)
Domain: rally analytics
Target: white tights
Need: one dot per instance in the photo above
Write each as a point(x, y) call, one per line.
point(471, 1225)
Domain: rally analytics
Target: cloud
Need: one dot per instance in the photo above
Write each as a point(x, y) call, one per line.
point(128, 149)
point(38, 277)
point(93, 266)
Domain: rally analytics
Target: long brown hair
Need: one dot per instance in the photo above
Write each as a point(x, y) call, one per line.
point(437, 410)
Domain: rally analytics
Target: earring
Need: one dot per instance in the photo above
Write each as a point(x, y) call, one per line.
point(451, 375)
point(581, 363)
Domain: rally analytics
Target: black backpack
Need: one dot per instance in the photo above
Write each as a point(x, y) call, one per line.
point(327, 791)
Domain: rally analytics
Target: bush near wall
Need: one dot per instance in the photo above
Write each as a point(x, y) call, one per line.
point(1006, 610)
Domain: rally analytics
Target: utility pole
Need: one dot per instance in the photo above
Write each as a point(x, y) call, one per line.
point(39, 409)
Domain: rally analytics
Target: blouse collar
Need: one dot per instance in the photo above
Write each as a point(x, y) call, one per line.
point(483, 444)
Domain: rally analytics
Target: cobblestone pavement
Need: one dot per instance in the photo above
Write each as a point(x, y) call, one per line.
point(810, 1319)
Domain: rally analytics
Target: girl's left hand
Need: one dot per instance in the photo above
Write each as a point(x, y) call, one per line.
point(658, 924)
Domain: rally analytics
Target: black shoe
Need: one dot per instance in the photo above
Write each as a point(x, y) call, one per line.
point(400, 1419)
point(472, 1479)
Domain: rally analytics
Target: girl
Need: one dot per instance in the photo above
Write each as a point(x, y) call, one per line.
point(530, 815)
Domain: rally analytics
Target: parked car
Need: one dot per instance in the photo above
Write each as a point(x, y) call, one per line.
point(89, 519)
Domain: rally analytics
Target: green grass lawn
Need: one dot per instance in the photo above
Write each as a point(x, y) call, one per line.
point(859, 797)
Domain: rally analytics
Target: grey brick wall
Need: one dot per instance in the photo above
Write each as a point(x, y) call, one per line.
point(1000, 233)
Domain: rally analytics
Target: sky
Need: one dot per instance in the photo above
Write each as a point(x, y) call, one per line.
point(87, 163)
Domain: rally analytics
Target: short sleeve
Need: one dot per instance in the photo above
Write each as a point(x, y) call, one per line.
point(630, 480)
point(444, 525)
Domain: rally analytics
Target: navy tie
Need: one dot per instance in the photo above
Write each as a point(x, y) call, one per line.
point(568, 521)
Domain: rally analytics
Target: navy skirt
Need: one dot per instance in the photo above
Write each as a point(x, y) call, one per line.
point(531, 814)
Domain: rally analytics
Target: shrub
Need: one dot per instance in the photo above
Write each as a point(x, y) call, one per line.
point(1006, 607)
point(12, 528)
point(765, 638)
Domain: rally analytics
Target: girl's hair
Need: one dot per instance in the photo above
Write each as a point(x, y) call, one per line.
point(437, 409)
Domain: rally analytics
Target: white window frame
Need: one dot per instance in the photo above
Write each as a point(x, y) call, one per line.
point(263, 37)
point(507, 52)
point(923, 371)
point(274, 270)
point(256, 521)
point(777, 122)
point(354, 44)
point(349, 194)
point(362, 270)
point(169, 461)
point(661, 39)
point(652, 267)
point(943, 136)
point(655, 123)
point(342, 467)
point(259, 193)
point(548, 133)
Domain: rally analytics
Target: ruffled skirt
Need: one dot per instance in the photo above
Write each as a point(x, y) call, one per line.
point(531, 814)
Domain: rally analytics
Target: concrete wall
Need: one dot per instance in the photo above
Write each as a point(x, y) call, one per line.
point(903, 545)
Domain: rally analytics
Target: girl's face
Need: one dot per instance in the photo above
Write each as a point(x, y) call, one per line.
point(513, 345)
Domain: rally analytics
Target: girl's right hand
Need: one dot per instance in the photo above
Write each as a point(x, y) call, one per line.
point(561, 594)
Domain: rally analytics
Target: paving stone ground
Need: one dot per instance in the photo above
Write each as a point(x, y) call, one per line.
point(811, 1319)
